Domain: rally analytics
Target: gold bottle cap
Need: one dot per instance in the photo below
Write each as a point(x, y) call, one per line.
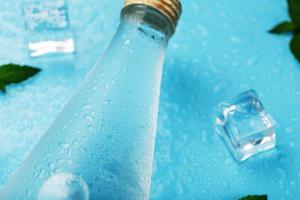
point(170, 8)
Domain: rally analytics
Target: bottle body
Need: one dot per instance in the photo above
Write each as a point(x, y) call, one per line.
point(101, 146)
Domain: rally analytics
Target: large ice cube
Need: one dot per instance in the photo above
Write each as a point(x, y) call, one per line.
point(245, 125)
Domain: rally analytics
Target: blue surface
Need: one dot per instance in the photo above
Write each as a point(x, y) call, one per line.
point(220, 49)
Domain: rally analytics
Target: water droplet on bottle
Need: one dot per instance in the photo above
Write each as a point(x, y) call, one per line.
point(64, 186)
point(90, 128)
point(107, 101)
point(65, 146)
point(83, 150)
point(95, 88)
point(89, 118)
point(86, 106)
point(64, 127)
point(127, 41)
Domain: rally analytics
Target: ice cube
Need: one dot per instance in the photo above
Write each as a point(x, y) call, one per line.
point(46, 15)
point(245, 125)
point(48, 27)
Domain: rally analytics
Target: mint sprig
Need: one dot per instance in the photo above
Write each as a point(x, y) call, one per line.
point(12, 73)
point(292, 26)
point(255, 197)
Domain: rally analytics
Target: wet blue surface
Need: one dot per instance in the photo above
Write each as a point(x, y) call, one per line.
point(220, 49)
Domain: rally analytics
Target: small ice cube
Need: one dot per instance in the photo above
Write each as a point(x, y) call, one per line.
point(245, 125)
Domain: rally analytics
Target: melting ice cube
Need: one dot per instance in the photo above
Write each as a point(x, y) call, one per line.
point(245, 125)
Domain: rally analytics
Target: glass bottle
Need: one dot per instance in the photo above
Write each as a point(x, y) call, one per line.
point(101, 145)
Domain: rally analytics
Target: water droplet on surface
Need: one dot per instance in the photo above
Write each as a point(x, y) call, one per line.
point(5, 125)
point(29, 124)
point(251, 60)
point(21, 128)
point(253, 78)
point(202, 30)
point(221, 86)
point(290, 129)
point(293, 183)
point(228, 161)
point(224, 184)
point(234, 39)
point(282, 177)
point(292, 144)
point(64, 186)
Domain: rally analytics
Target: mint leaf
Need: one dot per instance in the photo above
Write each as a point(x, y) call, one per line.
point(295, 46)
point(2, 86)
point(255, 197)
point(294, 11)
point(12, 73)
point(283, 27)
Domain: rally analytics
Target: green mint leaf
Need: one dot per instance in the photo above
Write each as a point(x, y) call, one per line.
point(2, 86)
point(255, 197)
point(297, 31)
point(12, 73)
point(283, 27)
point(294, 11)
point(295, 46)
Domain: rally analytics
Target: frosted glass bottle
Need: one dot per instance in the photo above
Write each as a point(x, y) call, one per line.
point(101, 146)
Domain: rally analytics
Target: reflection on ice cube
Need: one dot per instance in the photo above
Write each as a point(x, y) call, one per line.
point(45, 47)
point(245, 126)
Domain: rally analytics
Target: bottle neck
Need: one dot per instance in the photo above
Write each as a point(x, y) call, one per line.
point(148, 17)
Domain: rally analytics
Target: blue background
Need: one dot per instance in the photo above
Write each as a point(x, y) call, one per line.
point(221, 48)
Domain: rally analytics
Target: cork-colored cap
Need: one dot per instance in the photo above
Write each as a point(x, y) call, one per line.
point(170, 8)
